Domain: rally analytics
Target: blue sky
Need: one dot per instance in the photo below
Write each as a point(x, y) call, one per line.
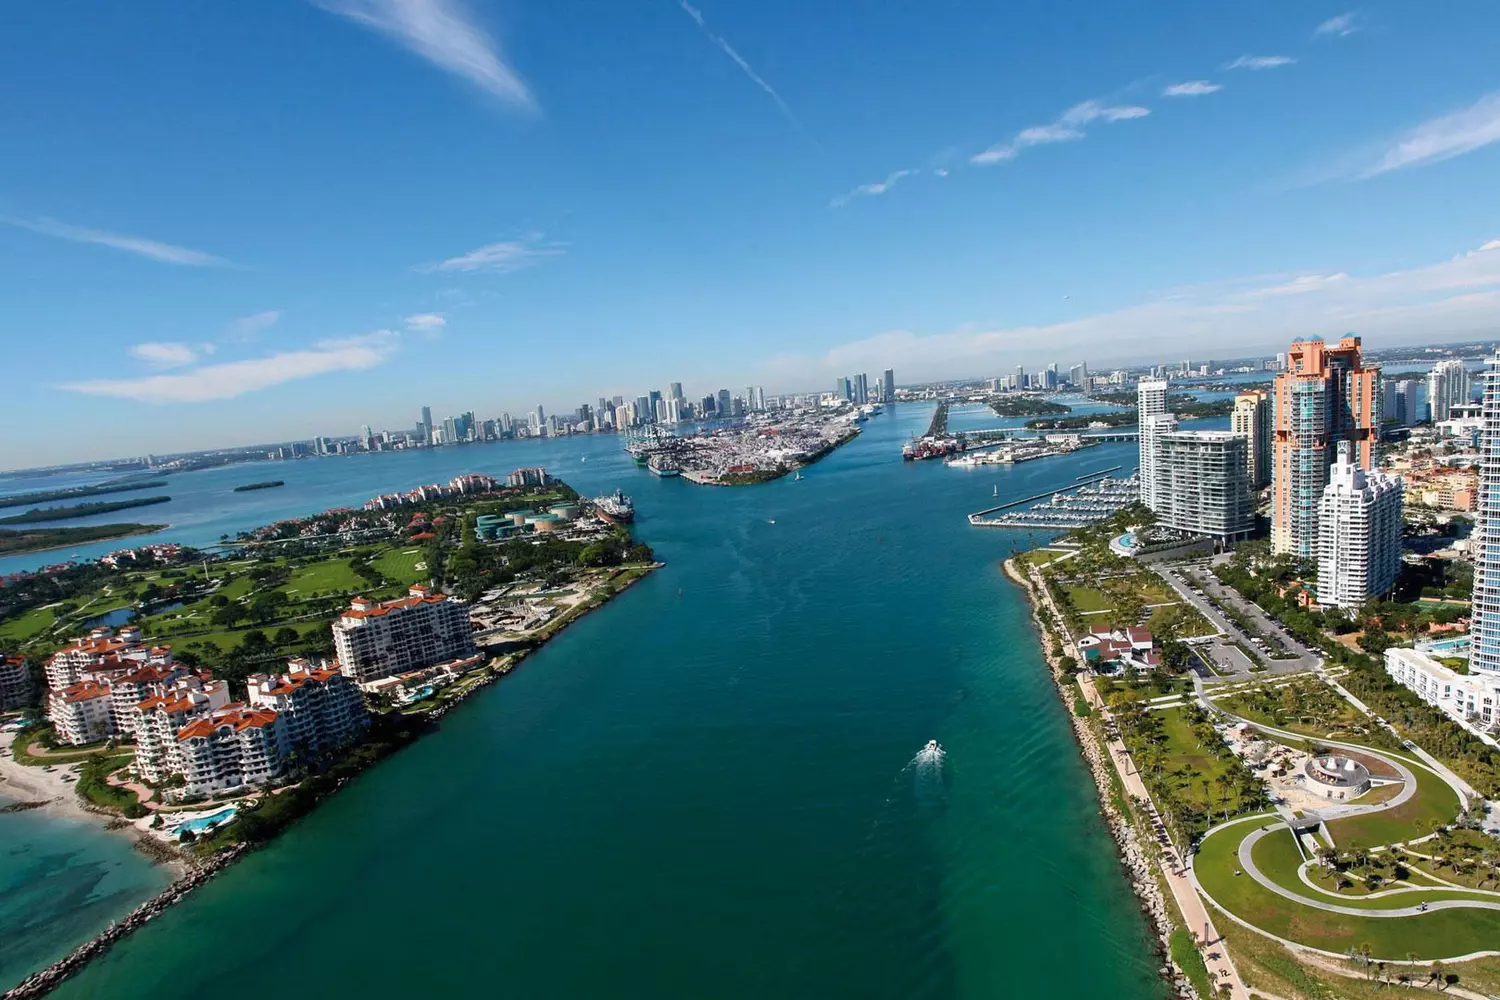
point(230, 223)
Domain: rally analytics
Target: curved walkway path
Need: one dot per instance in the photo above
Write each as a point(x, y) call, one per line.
point(1248, 863)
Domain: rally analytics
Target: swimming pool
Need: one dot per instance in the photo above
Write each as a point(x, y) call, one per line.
point(203, 823)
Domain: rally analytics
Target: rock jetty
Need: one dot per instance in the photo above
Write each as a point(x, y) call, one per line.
point(40, 983)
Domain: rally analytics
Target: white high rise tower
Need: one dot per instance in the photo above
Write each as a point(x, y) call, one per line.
point(1151, 403)
point(1359, 533)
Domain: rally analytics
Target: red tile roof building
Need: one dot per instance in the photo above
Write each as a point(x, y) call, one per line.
point(235, 747)
point(374, 640)
point(159, 719)
point(323, 709)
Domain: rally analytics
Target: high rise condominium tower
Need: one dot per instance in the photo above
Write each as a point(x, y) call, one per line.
point(1151, 403)
point(1251, 419)
point(1324, 396)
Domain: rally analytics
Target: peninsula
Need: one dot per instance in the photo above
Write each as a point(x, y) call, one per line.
point(489, 569)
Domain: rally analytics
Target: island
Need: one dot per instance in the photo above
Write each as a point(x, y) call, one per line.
point(491, 569)
point(14, 542)
point(41, 514)
point(1027, 406)
point(269, 484)
point(49, 496)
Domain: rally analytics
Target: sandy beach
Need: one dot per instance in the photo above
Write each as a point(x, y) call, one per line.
point(23, 783)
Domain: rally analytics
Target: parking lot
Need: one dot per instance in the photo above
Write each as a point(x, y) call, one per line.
point(1196, 585)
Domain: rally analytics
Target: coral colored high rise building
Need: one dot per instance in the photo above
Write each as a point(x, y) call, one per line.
point(1324, 396)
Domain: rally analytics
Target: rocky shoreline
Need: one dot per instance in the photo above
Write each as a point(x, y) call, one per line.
point(40, 983)
point(1140, 869)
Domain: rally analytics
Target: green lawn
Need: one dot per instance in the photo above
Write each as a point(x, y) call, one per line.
point(230, 639)
point(400, 565)
point(1087, 599)
point(28, 626)
point(1437, 934)
point(1183, 748)
point(1434, 802)
point(328, 575)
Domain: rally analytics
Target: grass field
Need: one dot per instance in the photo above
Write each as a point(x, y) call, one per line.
point(1436, 934)
point(1182, 748)
point(1087, 599)
point(28, 626)
point(400, 565)
point(1434, 802)
point(327, 576)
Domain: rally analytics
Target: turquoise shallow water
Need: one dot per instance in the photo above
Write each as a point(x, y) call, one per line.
point(708, 788)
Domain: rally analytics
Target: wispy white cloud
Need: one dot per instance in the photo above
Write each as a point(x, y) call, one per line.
point(745, 67)
point(208, 383)
point(426, 322)
point(500, 258)
point(941, 171)
point(1338, 26)
point(169, 354)
point(1068, 128)
point(1260, 62)
point(874, 188)
point(1192, 88)
point(247, 327)
point(1458, 297)
point(1439, 139)
point(167, 253)
point(441, 32)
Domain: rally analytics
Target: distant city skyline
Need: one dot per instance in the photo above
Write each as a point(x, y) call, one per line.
point(335, 211)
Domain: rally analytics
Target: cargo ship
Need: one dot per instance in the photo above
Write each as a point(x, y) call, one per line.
point(616, 508)
point(663, 466)
point(929, 447)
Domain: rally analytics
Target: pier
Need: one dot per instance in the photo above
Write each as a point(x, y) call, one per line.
point(939, 425)
point(1001, 434)
point(1087, 500)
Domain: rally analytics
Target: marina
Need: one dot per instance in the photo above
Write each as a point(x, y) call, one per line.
point(1090, 500)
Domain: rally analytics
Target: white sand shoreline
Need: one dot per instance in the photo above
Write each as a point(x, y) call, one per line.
point(60, 799)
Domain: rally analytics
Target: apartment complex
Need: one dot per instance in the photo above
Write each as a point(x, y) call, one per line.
point(1251, 419)
point(1359, 533)
point(1471, 699)
point(375, 640)
point(1447, 386)
point(1203, 484)
point(159, 719)
point(15, 682)
point(233, 747)
point(324, 710)
point(1485, 618)
point(1324, 396)
point(1153, 420)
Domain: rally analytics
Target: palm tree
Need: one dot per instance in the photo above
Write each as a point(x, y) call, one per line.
point(1364, 954)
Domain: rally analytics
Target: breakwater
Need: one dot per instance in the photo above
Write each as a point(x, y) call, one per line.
point(41, 983)
point(1140, 868)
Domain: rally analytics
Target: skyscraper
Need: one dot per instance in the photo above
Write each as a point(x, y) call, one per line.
point(862, 388)
point(1324, 396)
point(1359, 533)
point(1251, 419)
point(1151, 402)
point(1447, 386)
point(1203, 483)
point(426, 425)
point(1484, 630)
point(888, 386)
point(725, 406)
point(675, 390)
point(843, 388)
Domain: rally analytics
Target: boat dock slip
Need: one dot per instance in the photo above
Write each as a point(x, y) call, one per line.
point(1092, 477)
point(1085, 502)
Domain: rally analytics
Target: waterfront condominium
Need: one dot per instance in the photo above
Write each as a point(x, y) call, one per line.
point(1447, 387)
point(15, 682)
point(1151, 402)
point(888, 386)
point(375, 640)
point(1359, 533)
point(323, 709)
point(1324, 396)
point(1203, 484)
point(1485, 617)
point(1251, 419)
